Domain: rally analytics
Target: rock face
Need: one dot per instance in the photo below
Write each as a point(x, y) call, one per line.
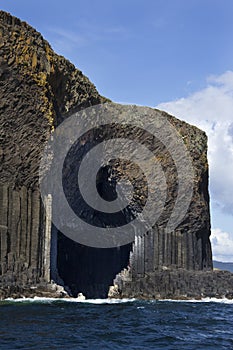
point(173, 284)
point(37, 87)
point(38, 90)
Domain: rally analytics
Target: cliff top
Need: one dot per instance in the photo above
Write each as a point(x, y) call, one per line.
point(37, 89)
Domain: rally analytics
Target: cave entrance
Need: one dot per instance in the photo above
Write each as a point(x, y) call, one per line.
point(85, 269)
point(81, 268)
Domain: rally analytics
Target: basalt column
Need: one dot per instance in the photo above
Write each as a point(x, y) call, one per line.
point(24, 232)
point(37, 89)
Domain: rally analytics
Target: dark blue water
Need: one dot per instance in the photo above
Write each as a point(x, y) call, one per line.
point(120, 325)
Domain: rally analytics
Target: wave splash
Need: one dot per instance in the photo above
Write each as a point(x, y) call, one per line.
point(69, 300)
point(113, 301)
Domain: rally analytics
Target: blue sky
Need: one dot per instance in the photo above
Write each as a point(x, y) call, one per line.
point(175, 54)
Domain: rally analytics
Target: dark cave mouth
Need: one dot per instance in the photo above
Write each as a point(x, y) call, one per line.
point(83, 269)
point(86, 270)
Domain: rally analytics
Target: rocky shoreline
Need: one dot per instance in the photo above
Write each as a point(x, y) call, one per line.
point(161, 285)
point(174, 284)
point(49, 290)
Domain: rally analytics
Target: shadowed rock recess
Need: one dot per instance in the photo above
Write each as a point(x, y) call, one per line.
point(38, 90)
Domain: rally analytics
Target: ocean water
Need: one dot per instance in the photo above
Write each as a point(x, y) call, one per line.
point(127, 324)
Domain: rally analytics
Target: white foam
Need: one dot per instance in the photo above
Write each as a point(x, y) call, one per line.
point(203, 300)
point(73, 300)
point(117, 301)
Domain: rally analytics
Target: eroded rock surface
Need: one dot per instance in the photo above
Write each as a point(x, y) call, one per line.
point(38, 90)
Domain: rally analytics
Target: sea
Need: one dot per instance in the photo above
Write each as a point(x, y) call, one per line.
point(42, 323)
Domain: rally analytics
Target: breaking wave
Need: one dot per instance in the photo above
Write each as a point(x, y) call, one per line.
point(114, 301)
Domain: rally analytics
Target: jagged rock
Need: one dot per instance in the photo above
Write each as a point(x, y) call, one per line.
point(114, 292)
point(177, 284)
point(81, 296)
point(38, 90)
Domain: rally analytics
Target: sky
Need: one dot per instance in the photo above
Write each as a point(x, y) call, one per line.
point(176, 55)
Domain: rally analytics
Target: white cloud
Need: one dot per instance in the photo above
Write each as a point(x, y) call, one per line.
point(211, 109)
point(222, 245)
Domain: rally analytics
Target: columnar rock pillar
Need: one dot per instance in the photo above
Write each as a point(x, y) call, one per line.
point(47, 238)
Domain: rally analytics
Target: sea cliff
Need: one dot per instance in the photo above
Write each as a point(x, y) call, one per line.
point(38, 91)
